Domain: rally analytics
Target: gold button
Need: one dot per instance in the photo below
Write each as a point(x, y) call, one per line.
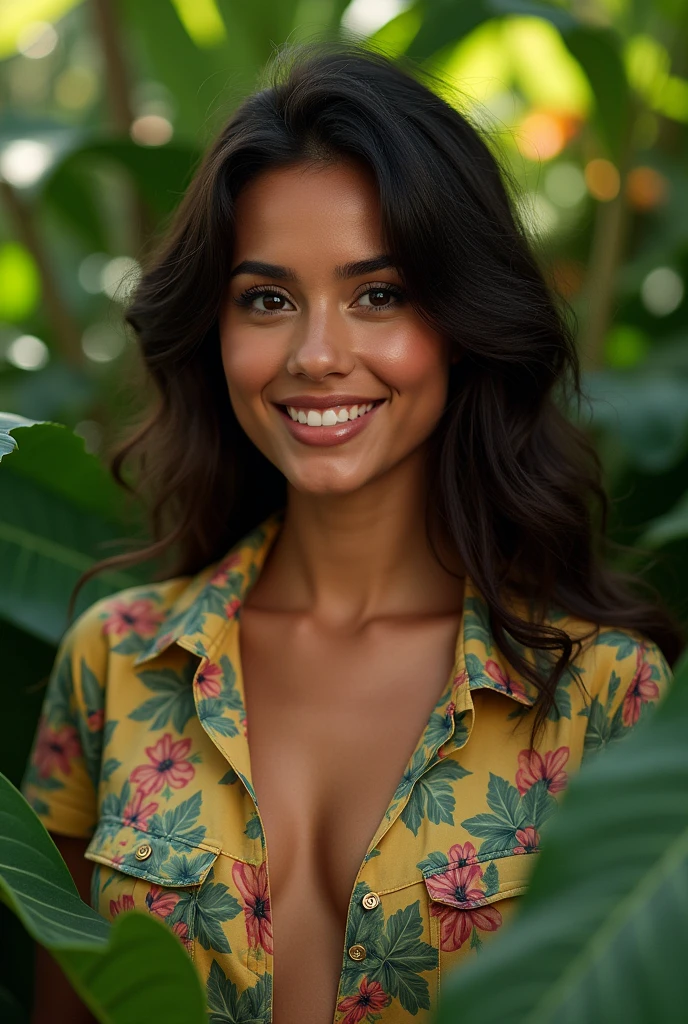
point(144, 851)
point(370, 901)
point(357, 952)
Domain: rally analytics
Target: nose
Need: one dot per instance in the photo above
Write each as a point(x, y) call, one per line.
point(321, 345)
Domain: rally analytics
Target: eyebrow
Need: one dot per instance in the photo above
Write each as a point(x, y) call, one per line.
point(343, 271)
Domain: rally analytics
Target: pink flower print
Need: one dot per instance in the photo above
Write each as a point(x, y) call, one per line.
point(232, 607)
point(168, 765)
point(457, 925)
point(161, 901)
point(511, 686)
point(642, 689)
point(181, 930)
point(138, 617)
point(209, 680)
point(56, 749)
point(137, 812)
point(370, 997)
point(451, 707)
point(95, 720)
point(243, 722)
point(120, 905)
point(529, 840)
point(458, 887)
point(219, 579)
point(532, 767)
point(252, 883)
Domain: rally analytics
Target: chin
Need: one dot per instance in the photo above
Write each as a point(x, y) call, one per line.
point(327, 482)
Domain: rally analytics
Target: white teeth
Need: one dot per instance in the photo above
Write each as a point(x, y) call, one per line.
point(328, 417)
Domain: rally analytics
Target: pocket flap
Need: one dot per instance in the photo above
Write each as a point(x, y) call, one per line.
point(471, 883)
point(164, 860)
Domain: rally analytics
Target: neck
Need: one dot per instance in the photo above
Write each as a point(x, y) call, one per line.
point(351, 558)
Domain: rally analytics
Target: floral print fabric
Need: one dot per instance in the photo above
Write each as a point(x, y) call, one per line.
point(143, 742)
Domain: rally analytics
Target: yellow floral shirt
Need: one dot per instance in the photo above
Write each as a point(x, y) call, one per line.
point(142, 748)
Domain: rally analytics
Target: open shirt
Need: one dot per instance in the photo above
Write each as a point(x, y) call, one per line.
point(142, 748)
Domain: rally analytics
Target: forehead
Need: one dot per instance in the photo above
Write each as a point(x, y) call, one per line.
point(329, 208)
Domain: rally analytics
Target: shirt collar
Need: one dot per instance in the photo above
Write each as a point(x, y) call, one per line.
point(215, 596)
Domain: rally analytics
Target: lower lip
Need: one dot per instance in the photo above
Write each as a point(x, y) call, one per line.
point(324, 437)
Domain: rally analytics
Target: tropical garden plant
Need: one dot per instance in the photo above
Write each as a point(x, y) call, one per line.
point(106, 107)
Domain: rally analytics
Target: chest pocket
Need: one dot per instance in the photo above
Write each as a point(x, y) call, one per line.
point(161, 875)
point(469, 901)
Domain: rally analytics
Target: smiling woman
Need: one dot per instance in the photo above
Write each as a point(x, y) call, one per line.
point(387, 638)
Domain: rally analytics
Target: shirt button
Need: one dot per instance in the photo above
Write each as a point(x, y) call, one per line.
point(370, 901)
point(357, 952)
point(144, 851)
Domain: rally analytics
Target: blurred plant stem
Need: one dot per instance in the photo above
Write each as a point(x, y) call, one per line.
point(61, 321)
point(606, 256)
point(118, 94)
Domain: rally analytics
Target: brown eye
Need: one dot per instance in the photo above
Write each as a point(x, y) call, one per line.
point(272, 301)
point(380, 298)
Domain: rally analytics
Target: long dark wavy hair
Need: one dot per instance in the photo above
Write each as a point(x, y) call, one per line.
point(516, 487)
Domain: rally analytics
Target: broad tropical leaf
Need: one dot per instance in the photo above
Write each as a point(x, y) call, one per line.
point(131, 972)
point(58, 511)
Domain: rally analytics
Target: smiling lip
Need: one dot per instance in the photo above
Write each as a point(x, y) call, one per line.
point(328, 435)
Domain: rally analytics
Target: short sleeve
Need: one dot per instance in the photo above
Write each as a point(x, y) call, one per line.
point(631, 677)
point(62, 775)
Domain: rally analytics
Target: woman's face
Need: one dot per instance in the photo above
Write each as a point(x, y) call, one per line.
point(331, 372)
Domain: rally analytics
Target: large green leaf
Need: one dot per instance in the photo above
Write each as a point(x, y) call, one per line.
point(59, 512)
point(132, 972)
point(597, 50)
point(602, 933)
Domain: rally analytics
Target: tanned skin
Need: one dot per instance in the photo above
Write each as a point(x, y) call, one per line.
point(348, 637)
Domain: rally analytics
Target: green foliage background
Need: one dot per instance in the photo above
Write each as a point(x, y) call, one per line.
point(105, 107)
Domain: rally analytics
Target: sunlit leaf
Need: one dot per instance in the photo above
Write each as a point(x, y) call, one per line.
point(19, 282)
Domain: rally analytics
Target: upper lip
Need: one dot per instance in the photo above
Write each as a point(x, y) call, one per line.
point(326, 401)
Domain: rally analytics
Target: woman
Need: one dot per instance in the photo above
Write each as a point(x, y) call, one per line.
point(387, 580)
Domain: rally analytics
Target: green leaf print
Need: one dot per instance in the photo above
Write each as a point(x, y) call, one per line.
point(93, 692)
point(491, 879)
point(178, 825)
point(538, 804)
point(110, 766)
point(253, 828)
point(601, 728)
point(477, 623)
point(183, 870)
point(432, 796)
point(204, 910)
point(397, 956)
point(211, 713)
point(433, 863)
point(404, 956)
point(227, 1006)
point(510, 813)
point(133, 643)
point(624, 643)
point(174, 698)
point(230, 695)
point(229, 778)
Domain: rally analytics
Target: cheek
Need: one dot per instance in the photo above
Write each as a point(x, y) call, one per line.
point(415, 364)
point(248, 366)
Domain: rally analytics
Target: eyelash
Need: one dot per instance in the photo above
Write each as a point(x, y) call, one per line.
point(247, 297)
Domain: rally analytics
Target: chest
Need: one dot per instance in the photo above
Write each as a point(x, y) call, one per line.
point(332, 721)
